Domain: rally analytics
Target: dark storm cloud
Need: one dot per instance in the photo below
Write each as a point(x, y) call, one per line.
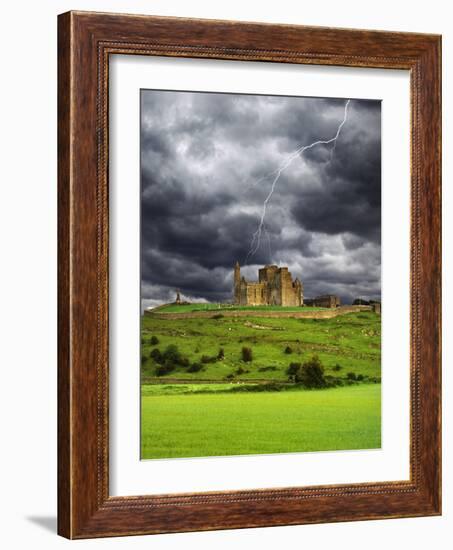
point(204, 162)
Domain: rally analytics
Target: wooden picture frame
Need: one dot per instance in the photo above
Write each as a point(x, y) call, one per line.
point(85, 42)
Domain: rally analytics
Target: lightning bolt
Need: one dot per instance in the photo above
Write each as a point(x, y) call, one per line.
point(256, 238)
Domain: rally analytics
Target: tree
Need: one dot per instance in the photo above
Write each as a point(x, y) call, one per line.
point(247, 354)
point(311, 374)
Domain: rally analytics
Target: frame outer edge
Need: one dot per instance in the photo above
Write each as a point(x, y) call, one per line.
point(64, 526)
point(434, 175)
point(82, 512)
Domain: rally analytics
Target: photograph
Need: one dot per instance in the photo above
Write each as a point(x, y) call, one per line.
point(260, 274)
point(210, 202)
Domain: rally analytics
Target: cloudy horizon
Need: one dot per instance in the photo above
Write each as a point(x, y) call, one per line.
point(208, 162)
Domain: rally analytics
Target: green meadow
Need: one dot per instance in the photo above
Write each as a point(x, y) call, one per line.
point(231, 406)
point(219, 424)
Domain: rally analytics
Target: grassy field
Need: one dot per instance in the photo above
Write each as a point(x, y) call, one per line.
point(349, 343)
point(217, 424)
point(218, 409)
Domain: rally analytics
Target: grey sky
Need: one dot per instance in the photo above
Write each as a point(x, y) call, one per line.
point(204, 158)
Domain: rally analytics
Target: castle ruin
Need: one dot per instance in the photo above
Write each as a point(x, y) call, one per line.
point(275, 286)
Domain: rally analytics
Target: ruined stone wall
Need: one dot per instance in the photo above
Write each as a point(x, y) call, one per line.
point(255, 294)
point(274, 287)
point(251, 294)
point(243, 294)
point(288, 291)
point(303, 313)
point(327, 300)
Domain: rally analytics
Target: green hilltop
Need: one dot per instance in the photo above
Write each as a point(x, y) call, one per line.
point(349, 343)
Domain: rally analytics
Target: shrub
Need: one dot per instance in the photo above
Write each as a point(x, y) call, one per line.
point(195, 367)
point(154, 340)
point(156, 355)
point(311, 374)
point(217, 316)
point(293, 369)
point(166, 368)
point(207, 359)
point(360, 377)
point(268, 387)
point(241, 370)
point(247, 354)
point(144, 359)
point(221, 354)
point(172, 354)
point(229, 376)
point(288, 350)
point(351, 376)
point(331, 381)
point(337, 367)
point(171, 358)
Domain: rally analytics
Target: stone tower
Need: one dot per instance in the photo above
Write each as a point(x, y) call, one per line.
point(237, 284)
point(299, 290)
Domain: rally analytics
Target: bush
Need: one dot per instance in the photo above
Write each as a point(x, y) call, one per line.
point(351, 376)
point(207, 359)
point(360, 377)
point(166, 368)
point(247, 354)
point(337, 367)
point(268, 387)
point(229, 376)
point(311, 374)
point(293, 369)
point(144, 359)
point(217, 316)
point(241, 370)
point(331, 381)
point(156, 355)
point(154, 340)
point(221, 354)
point(171, 358)
point(172, 354)
point(195, 367)
point(288, 350)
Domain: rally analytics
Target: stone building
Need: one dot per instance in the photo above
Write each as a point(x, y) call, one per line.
point(326, 300)
point(275, 286)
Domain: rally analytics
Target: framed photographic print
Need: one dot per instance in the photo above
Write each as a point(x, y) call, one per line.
point(249, 275)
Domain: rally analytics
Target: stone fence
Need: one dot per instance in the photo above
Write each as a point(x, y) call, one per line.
point(304, 313)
